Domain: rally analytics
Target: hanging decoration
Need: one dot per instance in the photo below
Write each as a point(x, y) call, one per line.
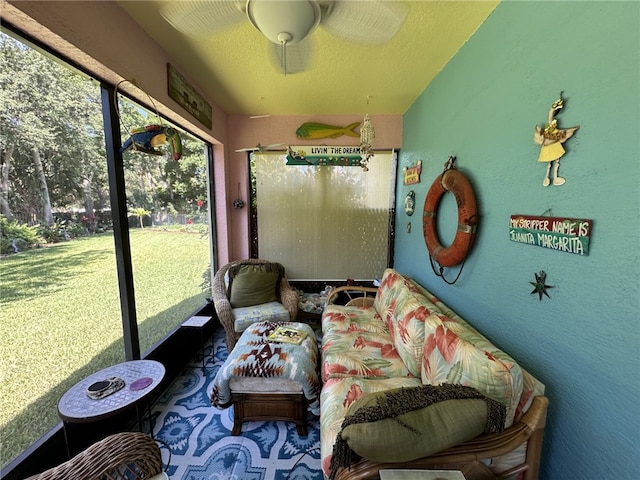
point(539, 286)
point(238, 203)
point(367, 136)
point(409, 202)
point(570, 235)
point(335, 156)
point(450, 180)
point(412, 173)
point(551, 138)
point(149, 138)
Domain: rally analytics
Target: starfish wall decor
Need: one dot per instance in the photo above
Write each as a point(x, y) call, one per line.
point(539, 286)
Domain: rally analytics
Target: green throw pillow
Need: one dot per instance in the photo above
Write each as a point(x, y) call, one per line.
point(405, 424)
point(253, 285)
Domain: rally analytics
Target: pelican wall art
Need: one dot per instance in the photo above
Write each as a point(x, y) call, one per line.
point(551, 138)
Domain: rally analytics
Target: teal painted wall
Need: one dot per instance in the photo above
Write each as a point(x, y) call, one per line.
point(584, 341)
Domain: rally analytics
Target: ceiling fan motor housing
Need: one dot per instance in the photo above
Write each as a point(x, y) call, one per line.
point(284, 21)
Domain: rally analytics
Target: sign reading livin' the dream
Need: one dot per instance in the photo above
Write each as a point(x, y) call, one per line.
point(569, 235)
point(325, 155)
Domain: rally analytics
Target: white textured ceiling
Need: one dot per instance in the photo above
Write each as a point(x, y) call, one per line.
point(232, 66)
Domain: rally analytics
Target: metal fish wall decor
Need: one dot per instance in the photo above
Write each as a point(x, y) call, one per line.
point(314, 131)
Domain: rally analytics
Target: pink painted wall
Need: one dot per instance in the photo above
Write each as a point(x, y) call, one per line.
point(102, 38)
point(246, 132)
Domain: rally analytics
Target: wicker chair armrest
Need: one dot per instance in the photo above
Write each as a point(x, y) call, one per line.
point(222, 305)
point(365, 292)
point(289, 298)
point(131, 455)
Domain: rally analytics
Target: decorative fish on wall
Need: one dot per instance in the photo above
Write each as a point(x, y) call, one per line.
point(313, 131)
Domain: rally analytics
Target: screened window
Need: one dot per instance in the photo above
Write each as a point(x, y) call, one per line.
point(324, 222)
point(60, 298)
point(59, 290)
point(168, 226)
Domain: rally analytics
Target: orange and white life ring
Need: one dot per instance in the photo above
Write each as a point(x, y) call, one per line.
point(450, 180)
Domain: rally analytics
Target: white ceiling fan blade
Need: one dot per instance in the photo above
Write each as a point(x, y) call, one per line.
point(249, 149)
point(203, 17)
point(274, 147)
point(292, 59)
point(371, 22)
point(262, 148)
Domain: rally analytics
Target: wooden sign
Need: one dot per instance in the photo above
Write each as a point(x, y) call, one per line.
point(412, 173)
point(569, 235)
point(187, 96)
point(325, 155)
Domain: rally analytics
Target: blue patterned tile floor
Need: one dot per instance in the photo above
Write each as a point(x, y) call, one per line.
point(198, 435)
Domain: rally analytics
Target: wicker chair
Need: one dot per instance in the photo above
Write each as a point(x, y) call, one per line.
point(288, 298)
point(128, 455)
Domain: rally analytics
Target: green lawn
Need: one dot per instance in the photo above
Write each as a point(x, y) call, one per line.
point(61, 317)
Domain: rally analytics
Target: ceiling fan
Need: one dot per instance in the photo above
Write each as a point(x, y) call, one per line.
point(263, 148)
point(287, 24)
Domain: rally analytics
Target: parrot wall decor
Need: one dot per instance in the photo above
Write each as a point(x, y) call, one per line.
point(147, 139)
point(551, 138)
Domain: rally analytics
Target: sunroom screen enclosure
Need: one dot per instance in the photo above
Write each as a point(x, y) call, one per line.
point(61, 303)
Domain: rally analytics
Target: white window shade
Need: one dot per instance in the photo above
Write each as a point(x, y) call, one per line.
point(324, 222)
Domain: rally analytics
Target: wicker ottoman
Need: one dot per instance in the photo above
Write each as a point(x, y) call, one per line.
point(252, 403)
point(267, 378)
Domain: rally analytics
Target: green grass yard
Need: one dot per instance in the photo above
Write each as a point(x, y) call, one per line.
point(61, 317)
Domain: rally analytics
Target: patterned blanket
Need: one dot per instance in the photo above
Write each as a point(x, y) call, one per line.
point(256, 356)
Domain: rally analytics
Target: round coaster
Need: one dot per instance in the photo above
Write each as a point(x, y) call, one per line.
point(141, 383)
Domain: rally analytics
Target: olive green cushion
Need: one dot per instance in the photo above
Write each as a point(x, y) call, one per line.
point(416, 434)
point(253, 285)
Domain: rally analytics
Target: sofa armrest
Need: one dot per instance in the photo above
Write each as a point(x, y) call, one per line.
point(358, 296)
point(529, 429)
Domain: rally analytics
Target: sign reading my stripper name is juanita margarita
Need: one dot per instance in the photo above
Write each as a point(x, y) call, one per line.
point(569, 235)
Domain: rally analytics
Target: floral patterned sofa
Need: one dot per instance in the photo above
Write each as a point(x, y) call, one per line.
point(408, 338)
